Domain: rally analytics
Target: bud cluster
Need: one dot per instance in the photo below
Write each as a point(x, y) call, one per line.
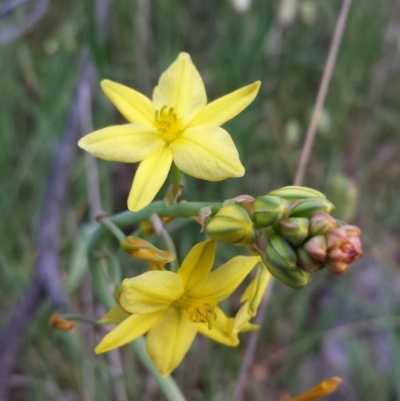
point(293, 231)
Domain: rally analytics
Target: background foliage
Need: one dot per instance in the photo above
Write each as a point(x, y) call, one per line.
point(345, 326)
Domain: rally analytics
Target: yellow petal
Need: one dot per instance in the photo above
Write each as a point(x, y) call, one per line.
point(170, 339)
point(221, 282)
point(114, 315)
point(128, 143)
point(182, 88)
point(225, 108)
point(208, 153)
point(197, 264)
point(134, 106)
point(255, 291)
point(221, 331)
point(241, 320)
point(130, 329)
point(150, 292)
point(322, 389)
point(149, 178)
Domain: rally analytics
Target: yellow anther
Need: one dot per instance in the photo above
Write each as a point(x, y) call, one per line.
point(168, 124)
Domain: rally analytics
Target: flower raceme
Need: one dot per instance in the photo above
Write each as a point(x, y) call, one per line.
point(176, 126)
point(173, 307)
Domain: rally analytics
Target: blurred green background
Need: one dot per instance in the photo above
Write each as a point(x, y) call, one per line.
point(346, 326)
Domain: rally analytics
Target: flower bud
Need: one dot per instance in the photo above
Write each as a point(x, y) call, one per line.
point(321, 222)
point(294, 192)
point(139, 248)
point(58, 322)
point(294, 278)
point(294, 229)
point(307, 263)
point(307, 207)
point(344, 247)
point(269, 209)
point(316, 247)
point(281, 262)
point(280, 253)
point(231, 225)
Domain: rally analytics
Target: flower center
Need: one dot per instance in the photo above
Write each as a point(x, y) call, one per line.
point(168, 124)
point(203, 311)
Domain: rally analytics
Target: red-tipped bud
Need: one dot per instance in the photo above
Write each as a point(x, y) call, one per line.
point(317, 247)
point(321, 222)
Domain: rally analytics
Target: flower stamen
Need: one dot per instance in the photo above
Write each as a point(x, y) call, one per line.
point(203, 311)
point(167, 123)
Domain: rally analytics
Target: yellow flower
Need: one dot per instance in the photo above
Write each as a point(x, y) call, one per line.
point(176, 125)
point(322, 389)
point(173, 307)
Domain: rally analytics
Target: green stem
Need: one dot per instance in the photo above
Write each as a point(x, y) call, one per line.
point(110, 226)
point(184, 210)
point(171, 247)
point(76, 317)
point(176, 180)
point(167, 384)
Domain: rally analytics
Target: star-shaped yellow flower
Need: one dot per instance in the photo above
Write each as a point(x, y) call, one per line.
point(176, 126)
point(173, 307)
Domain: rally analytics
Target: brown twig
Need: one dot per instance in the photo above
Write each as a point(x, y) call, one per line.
point(46, 281)
point(322, 91)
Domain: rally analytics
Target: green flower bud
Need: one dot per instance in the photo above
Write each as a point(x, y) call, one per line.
point(294, 278)
point(282, 262)
point(307, 263)
point(280, 253)
point(231, 225)
point(321, 222)
point(316, 247)
point(293, 193)
point(269, 209)
point(294, 229)
point(307, 207)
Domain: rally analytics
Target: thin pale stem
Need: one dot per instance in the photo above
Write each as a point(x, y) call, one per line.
point(112, 228)
point(169, 243)
point(322, 91)
point(76, 317)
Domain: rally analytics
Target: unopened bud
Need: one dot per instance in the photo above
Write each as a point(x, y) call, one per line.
point(269, 209)
point(321, 222)
point(294, 278)
point(141, 249)
point(282, 262)
point(294, 229)
point(294, 192)
point(58, 322)
point(307, 207)
point(306, 262)
point(280, 253)
point(344, 247)
point(316, 247)
point(231, 225)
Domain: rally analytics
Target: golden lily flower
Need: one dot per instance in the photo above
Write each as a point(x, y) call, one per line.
point(322, 389)
point(173, 307)
point(177, 125)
